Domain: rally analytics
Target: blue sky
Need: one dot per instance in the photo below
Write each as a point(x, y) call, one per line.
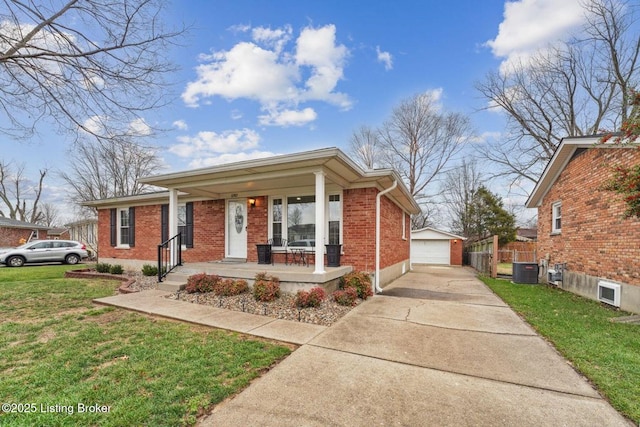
point(274, 77)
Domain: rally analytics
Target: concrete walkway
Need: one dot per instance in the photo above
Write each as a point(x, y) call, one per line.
point(436, 348)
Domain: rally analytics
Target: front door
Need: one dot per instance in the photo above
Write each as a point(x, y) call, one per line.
point(237, 229)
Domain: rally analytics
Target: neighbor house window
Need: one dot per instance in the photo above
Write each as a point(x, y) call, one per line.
point(556, 217)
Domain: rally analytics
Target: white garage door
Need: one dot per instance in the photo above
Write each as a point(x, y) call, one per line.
point(430, 252)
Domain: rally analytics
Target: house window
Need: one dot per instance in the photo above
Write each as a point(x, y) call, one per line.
point(335, 216)
point(294, 218)
point(276, 219)
point(123, 227)
point(301, 220)
point(182, 222)
point(556, 217)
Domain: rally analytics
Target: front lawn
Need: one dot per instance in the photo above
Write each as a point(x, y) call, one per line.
point(607, 353)
point(64, 361)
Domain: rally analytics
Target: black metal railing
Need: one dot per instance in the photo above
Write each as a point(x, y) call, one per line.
point(169, 255)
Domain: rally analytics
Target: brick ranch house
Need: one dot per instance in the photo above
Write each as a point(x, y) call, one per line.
point(582, 226)
point(224, 211)
point(13, 232)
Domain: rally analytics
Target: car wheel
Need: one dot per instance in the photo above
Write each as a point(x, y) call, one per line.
point(72, 259)
point(15, 261)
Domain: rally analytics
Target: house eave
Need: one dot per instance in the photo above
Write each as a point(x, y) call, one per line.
point(561, 158)
point(263, 176)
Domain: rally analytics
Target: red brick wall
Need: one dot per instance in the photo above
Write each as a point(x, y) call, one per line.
point(455, 252)
point(359, 228)
point(10, 237)
point(257, 226)
point(359, 208)
point(595, 239)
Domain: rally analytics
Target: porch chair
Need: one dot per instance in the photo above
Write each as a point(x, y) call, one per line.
point(279, 246)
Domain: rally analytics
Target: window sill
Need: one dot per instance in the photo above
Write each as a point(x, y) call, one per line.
point(123, 247)
point(556, 233)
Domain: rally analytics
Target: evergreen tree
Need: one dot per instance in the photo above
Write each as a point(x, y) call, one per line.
point(488, 217)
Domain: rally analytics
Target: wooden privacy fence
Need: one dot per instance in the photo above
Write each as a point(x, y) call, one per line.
point(518, 252)
point(480, 255)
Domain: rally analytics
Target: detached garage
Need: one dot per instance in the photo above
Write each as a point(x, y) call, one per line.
point(431, 246)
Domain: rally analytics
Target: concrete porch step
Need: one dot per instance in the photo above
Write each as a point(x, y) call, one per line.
point(171, 285)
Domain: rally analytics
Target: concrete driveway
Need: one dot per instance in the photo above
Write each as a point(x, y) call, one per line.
point(437, 347)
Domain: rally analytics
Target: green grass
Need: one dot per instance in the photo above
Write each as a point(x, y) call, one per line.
point(581, 329)
point(57, 348)
point(505, 268)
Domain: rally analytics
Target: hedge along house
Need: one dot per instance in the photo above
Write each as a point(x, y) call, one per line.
point(585, 245)
point(223, 212)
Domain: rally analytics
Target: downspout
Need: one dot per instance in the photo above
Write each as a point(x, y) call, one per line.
point(377, 288)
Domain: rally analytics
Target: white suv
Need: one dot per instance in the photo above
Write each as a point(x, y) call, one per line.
point(66, 251)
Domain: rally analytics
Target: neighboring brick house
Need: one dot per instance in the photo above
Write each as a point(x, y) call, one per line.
point(224, 211)
point(582, 225)
point(13, 232)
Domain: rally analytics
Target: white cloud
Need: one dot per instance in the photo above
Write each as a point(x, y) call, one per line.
point(486, 136)
point(385, 58)
point(139, 127)
point(277, 38)
point(246, 71)
point(532, 25)
point(263, 70)
point(316, 48)
point(229, 158)
point(286, 118)
point(207, 143)
point(181, 124)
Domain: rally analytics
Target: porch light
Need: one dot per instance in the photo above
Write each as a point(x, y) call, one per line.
point(252, 202)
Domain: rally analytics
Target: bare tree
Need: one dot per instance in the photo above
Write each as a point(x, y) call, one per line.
point(101, 169)
point(575, 89)
point(19, 196)
point(458, 190)
point(88, 65)
point(50, 215)
point(419, 140)
point(366, 147)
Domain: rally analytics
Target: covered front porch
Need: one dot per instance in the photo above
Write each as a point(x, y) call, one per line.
point(292, 277)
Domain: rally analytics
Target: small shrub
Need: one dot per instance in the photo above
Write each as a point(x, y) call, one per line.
point(116, 269)
point(149, 270)
point(103, 267)
point(229, 287)
point(360, 281)
point(201, 283)
point(347, 296)
point(311, 298)
point(266, 288)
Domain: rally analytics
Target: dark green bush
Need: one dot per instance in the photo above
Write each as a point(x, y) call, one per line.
point(149, 270)
point(103, 267)
point(116, 269)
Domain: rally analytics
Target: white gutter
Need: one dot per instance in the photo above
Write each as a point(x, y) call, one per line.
point(377, 288)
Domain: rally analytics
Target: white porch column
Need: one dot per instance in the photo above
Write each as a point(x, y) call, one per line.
point(173, 222)
point(319, 268)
